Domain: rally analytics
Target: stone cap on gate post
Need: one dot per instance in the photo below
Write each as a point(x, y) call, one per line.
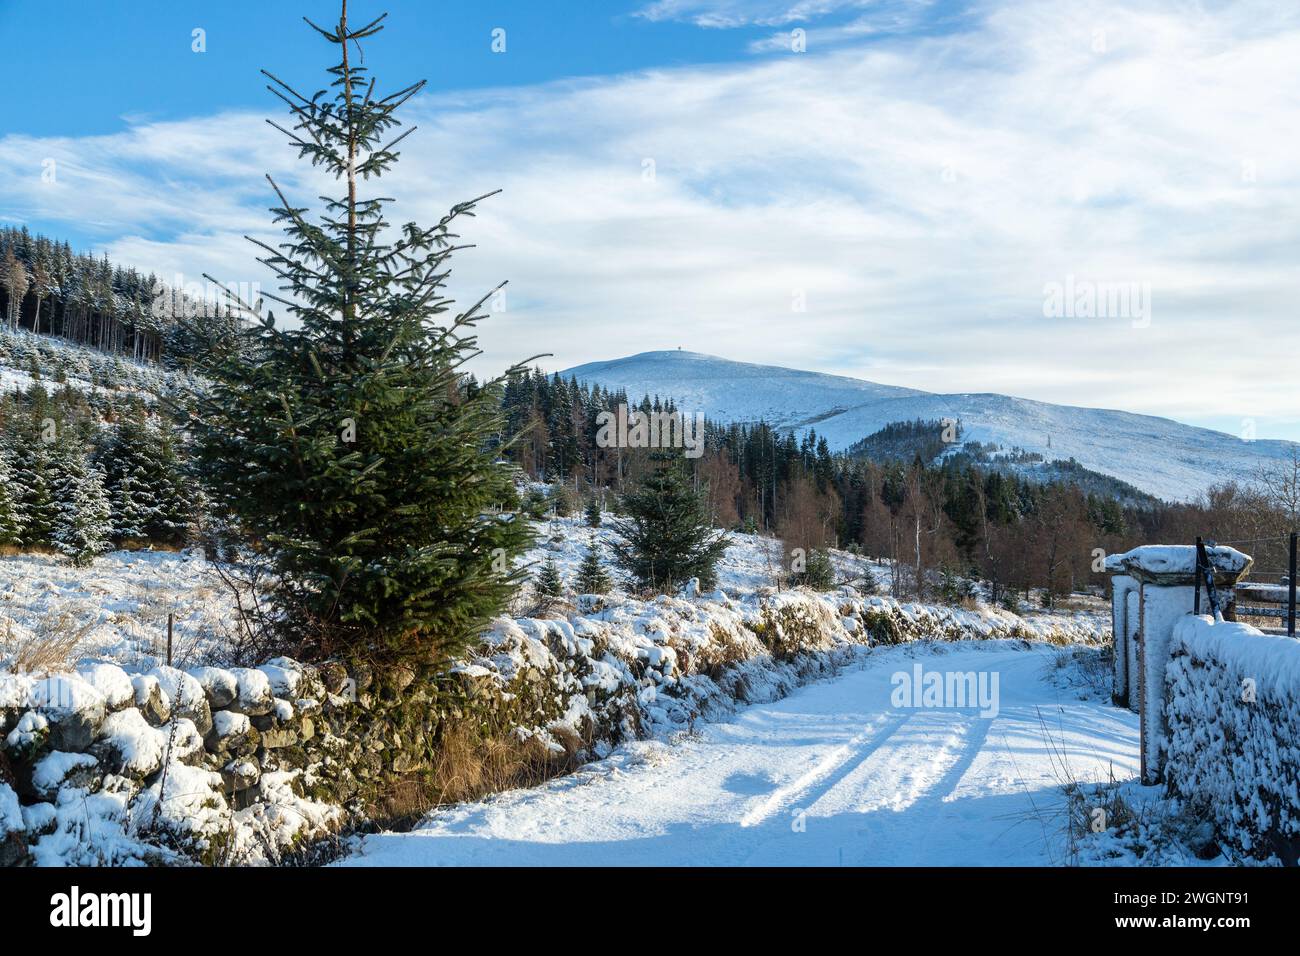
point(1174, 565)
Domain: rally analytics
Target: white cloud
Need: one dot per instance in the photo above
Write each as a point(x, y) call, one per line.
point(918, 193)
point(726, 14)
point(869, 18)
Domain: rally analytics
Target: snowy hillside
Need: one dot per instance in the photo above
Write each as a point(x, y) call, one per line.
point(738, 391)
point(1160, 456)
point(26, 359)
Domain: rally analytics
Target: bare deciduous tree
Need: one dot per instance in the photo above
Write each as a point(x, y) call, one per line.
point(16, 282)
point(1279, 484)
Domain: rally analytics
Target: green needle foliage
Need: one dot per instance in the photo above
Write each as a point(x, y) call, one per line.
point(666, 537)
point(549, 583)
point(348, 452)
point(818, 572)
point(592, 576)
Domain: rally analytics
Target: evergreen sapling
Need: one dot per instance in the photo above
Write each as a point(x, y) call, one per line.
point(592, 576)
point(666, 536)
point(549, 584)
point(11, 515)
point(83, 523)
point(33, 478)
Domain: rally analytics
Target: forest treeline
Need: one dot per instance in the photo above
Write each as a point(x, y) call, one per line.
point(47, 288)
point(940, 515)
point(939, 524)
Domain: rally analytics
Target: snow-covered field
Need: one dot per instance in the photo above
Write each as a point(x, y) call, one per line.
point(835, 774)
point(116, 609)
point(752, 562)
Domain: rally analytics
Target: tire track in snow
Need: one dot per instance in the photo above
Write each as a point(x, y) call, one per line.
point(868, 783)
point(914, 763)
point(944, 791)
point(871, 738)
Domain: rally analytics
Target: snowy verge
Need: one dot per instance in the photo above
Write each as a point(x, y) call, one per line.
point(1124, 823)
point(1233, 713)
point(626, 667)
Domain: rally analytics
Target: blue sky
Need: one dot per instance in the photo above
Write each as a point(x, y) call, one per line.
point(111, 56)
point(891, 202)
point(125, 64)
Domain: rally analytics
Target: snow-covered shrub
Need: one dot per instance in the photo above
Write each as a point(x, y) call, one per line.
point(1123, 823)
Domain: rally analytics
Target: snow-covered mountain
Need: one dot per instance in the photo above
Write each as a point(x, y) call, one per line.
point(1158, 455)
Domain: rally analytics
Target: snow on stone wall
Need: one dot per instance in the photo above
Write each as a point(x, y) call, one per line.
point(1233, 748)
point(111, 768)
point(217, 765)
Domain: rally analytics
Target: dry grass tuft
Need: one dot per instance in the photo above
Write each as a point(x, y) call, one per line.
point(467, 766)
point(725, 649)
point(49, 647)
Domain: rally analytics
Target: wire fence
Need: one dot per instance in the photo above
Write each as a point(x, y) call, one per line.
point(1269, 595)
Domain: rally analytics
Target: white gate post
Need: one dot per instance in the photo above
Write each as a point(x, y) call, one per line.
point(1163, 580)
point(1121, 586)
point(1133, 620)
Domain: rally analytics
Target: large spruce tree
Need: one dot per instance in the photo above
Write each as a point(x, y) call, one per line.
point(345, 446)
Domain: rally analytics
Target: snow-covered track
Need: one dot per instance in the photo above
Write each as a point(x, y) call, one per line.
point(835, 774)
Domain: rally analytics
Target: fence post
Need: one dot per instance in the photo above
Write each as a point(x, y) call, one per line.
point(170, 617)
point(1196, 579)
point(1122, 587)
point(1290, 593)
point(1204, 569)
